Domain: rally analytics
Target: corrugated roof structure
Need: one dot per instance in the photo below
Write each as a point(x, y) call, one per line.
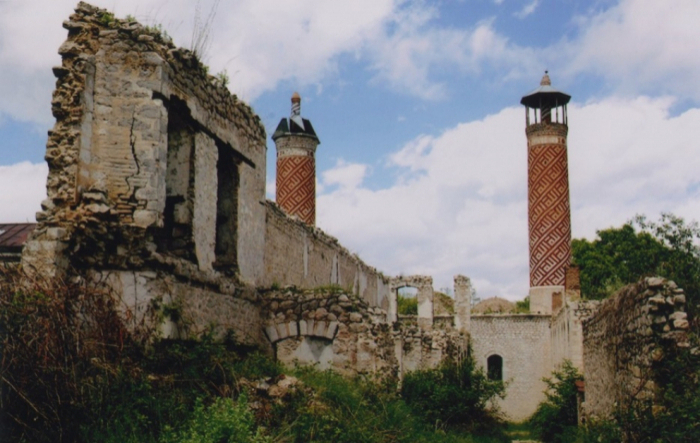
point(12, 239)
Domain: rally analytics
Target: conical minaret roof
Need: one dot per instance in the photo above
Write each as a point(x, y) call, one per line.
point(545, 96)
point(295, 124)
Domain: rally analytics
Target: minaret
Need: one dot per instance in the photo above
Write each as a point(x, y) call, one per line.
point(296, 144)
point(549, 213)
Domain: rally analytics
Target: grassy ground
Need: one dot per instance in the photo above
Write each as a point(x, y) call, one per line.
point(518, 431)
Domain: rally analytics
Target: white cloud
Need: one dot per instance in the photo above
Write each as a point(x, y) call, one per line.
point(527, 9)
point(408, 56)
point(262, 43)
point(459, 204)
point(346, 176)
point(642, 45)
point(259, 42)
point(24, 188)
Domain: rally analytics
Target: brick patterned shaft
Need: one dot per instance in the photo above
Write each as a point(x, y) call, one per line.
point(296, 183)
point(549, 213)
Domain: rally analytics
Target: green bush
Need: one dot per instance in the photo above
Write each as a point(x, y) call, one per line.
point(407, 305)
point(556, 418)
point(224, 421)
point(456, 394)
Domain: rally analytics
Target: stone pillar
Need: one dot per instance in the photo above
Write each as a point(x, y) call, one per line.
point(424, 297)
point(296, 144)
point(549, 214)
point(463, 302)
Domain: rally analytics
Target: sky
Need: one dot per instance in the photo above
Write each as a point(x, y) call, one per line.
point(422, 167)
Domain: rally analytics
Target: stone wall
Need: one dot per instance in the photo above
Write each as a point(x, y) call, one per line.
point(145, 144)
point(186, 309)
point(331, 329)
point(424, 296)
point(304, 256)
point(523, 342)
point(621, 341)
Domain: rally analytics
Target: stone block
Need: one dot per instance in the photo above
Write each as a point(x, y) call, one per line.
point(145, 218)
point(320, 328)
point(332, 329)
point(272, 334)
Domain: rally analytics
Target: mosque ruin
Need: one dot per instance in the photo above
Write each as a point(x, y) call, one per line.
point(156, 188)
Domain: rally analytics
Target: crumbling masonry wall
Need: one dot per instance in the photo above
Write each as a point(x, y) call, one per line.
point(620, 342)
point(156, 188)
point(156, 176)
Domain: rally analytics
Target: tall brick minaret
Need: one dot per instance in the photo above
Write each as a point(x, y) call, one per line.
point(549, 213)
point(296, 144)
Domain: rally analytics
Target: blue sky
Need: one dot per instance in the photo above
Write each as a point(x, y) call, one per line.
point(422, 162)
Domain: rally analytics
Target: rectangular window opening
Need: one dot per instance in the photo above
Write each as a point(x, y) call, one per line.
point(176, 235)
point(228, 175)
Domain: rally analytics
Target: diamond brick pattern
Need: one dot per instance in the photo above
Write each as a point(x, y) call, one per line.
point(549, 214)
point(296, 187)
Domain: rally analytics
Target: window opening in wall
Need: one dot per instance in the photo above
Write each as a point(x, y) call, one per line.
point(495, 367)
point(407, 300)
point(176, 235)
point(227, 169)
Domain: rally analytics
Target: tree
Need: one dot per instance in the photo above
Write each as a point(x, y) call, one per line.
point(640, 248)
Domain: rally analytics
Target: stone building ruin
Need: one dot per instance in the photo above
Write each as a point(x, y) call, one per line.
point(156, 188)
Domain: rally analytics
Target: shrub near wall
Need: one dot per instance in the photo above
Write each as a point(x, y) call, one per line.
point(456, 394)
point(556, 418)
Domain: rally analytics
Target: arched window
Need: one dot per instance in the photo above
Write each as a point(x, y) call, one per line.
point(494, 366)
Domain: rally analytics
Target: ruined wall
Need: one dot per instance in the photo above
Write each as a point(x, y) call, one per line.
point(424, 297)
point(334, 330)
point(419, 348)
point(304, 256)
point(330, 329)
point(567, 332)
point(156, 178)
point(625, 335)
point(139, 157)
point(523, 341)
point(186, 309)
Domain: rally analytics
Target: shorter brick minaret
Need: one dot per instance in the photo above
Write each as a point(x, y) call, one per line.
point(296, 144)
point(549, 212)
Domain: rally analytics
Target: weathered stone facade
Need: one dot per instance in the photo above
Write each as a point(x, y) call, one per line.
point(631, 329)
point(330, 329)
point(143, 145)
point(156, 189)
